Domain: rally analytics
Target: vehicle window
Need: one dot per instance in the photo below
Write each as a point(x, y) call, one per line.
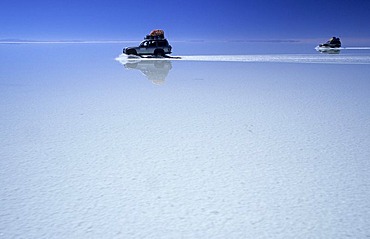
point(144, 44)
point(162, 43)
point(152, 43)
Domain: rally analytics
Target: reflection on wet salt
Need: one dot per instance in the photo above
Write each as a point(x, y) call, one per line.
point(261, 147)
point(328, 50)
point(155, 70)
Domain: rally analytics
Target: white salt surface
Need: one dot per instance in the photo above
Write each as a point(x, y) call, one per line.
point(91, 149)
point(280, 58)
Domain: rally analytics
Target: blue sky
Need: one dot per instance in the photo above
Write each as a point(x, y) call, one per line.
point(191, 19)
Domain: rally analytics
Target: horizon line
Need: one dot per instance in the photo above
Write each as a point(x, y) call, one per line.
point(276, 40)
point(237, 40)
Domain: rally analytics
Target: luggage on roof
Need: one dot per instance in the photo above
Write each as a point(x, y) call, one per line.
point(155, 34)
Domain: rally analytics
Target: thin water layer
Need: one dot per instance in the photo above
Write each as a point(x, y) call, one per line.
point(219, 146)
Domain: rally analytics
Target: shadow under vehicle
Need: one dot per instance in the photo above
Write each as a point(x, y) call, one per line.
point(155, 70)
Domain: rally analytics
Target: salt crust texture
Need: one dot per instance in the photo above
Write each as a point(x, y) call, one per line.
point(221, 150)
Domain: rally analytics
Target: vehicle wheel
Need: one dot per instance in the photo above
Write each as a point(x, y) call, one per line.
point(159, 52)
point(131, 52)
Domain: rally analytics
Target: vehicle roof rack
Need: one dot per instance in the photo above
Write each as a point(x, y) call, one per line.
point(150, 37)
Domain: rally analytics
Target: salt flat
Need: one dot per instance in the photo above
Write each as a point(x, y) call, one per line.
point(92, 148)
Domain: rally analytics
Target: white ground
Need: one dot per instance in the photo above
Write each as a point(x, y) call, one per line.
point(219, 150)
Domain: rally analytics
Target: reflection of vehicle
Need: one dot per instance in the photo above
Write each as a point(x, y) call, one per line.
point(154, 70)
point(328, 50)
point(154, 44)
point(332, 46)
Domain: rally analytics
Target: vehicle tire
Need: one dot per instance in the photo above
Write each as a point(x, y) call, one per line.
point(159, 52)
point(131, 52)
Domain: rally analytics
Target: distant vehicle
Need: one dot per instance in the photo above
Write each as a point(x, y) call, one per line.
point(332, 46)
point(334, 42)
point(154, 44)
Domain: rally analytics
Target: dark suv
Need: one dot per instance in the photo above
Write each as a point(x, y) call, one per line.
point(156, 46)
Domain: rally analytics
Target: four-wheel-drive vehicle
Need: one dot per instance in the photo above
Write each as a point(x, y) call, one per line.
point(332, 46)
point(154, 44)
point(334, 42)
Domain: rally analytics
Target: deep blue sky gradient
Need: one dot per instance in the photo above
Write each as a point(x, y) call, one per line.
point(183, 20)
